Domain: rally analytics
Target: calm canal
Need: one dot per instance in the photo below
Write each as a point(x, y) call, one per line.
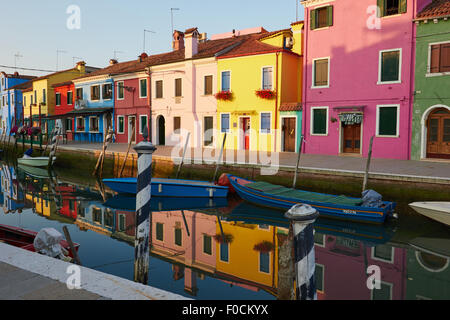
point(190, 258)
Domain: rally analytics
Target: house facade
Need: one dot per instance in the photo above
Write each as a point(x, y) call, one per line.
point(358, 76)
point(431, 116)
point(65, 103)
point(262, 79)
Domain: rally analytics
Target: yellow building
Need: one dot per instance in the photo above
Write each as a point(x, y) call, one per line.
point(264, 76)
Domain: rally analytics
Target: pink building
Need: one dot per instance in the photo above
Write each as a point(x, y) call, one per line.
point(358, 76)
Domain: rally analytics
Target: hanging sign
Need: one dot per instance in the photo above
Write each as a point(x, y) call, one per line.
point(351, 118)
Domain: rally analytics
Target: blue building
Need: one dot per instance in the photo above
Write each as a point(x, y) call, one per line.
point(11, 108)
point(94, 106)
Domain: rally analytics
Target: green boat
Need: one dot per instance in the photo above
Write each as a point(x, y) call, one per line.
point(35, 162)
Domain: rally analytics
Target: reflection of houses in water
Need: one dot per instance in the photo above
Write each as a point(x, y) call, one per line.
point(11, 196)
point(341, 265)
point(94, 216)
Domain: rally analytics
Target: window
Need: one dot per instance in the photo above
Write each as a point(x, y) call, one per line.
point(226, 81)
point(178, 89)
point(120, 93)
point(79, 93)
point(176, 124)
point(142, 124)
point(80, 124)
point(68, 124)
point(320, 72)
point(208, 85)
point(143, 88)
point(207, 244)
point(121, 124)
point(264, 259)
point(225, 122)
point(392, 7)
point(93, 124)
point(24, 101)
point(44, 96)
point(319, 121)
point(267, 78)
point(208, 135)
point(387, 121)
point(265, 122)
point(440, 58)
point(95, 93)
point(384, 293)
point(178, 237)
point(224, 254)
point(319, 277)
point(69, 98)
point(35, 97)
point(122, 221)
point(159, 231)
point(390, 66)
point(107, 91)
point(321, 17)
point(384, 253)
point(57, 98)
point(159, 89)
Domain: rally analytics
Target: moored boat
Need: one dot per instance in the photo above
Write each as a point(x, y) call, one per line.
point(332, 206)
point(170, 188)
point(35, 161)
point(24, 239)
point(438, 210)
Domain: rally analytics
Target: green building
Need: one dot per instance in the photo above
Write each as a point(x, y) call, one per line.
point(431, 112)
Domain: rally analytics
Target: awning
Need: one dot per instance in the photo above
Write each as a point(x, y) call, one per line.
point(80, 113)
point(291, 106)
point(350, 108)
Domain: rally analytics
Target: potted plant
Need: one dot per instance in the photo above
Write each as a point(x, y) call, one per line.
point(226, 238)
point(223, 95)
point(264, 246)
point(266, 94)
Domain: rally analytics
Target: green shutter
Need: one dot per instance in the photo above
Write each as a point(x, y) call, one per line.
point(403, 6)
point(382, 5)
point(390, 63)
point(313, 19)
point(387, 121)
point(319, 121)
point(330, 15)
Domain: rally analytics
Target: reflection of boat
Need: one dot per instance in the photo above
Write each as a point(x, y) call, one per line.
point(128, 203)
point(35, 171)
point(436, 246)
point(370, 234)
point(24, 238)
point(35, 162)
point(439, 211)
point(170, 187)
point(278, 197)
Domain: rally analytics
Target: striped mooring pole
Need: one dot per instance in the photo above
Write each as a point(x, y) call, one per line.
point(302, 218)
point(144, 150)
point(53, 147)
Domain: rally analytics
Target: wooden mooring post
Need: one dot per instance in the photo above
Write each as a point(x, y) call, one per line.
point(144, 150)
point(369, 157)
point(128, 152)
point(108, 138)
point(184, 154)
point(220, 157)
point(294, 184)
point(53, 148)
point(76, 258)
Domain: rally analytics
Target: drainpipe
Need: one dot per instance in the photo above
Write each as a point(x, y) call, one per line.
point(411, 84)
point(305, 75)
point(149, 101)
point(276, 104)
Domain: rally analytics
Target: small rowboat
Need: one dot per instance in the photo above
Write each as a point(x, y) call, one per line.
point(332, 206)
point(35, 162)
point(170, 188)
point(439, 211)
point(24, 239)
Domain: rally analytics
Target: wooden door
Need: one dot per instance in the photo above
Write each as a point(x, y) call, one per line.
point(351, 138)
point(289, 133)
point(132, 129)
point(438, 140)
point(162, 131)
point(246, 131)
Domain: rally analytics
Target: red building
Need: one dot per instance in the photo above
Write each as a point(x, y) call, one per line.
point(65, 97)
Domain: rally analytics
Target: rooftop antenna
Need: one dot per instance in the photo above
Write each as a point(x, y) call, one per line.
point(16, 56)
point(149, 31)
point(115, 54)
point(296, 10)
point(171, 15)
point(73, 59)
point(57, 57)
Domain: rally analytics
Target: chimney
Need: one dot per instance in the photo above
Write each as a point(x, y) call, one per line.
point(191, 42)
point(203, 37)
point(113, 62)
point(142, 57)
point(178, 40)
point(80, 65)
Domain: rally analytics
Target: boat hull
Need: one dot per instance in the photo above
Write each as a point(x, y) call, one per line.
point(343, 212)
point(35, 162)
point(438, 211)
point(170, 188)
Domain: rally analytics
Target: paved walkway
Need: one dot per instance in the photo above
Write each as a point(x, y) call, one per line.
point(408, 170)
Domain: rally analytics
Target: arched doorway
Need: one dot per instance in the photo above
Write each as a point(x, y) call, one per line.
point(161, 131)
point(438, 134)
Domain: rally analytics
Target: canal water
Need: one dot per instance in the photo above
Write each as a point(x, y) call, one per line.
point(229, 249)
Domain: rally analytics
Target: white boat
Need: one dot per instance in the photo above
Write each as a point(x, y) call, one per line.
point(439, 211)
point(35, 162)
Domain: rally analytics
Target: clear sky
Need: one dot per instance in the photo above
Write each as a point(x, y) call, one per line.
point(37, 29)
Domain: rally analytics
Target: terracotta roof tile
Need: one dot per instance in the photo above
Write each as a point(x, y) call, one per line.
point(269, 34)
point(436, 9)
point(291, 106)
point(23, 86)
point(61, 84)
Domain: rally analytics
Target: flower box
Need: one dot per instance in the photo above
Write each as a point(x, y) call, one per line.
point(224, 95)
point(266, 94)
point(264, 246)
point(227, 238)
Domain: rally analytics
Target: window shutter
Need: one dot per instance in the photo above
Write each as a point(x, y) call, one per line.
point(387, 123)
point(330, 15)
point(320, 121)
point(381, 5)
point(390, 66)
point(435, 58)
point(403, 6)
point(313, 19)
point(445, 58)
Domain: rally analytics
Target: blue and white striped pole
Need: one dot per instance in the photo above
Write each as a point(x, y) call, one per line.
point(302, 218)
point(145, 150)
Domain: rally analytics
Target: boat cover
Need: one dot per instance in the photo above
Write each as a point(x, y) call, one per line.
point(303, 195)
point(372, 199)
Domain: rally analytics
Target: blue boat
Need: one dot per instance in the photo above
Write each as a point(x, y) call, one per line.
point(332, 206)
point(170, 188)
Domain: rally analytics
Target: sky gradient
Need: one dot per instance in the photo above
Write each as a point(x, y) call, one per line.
point(37, 29)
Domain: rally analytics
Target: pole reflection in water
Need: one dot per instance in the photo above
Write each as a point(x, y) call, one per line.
point(302, 218)
point(145, 150)
point(286, 266)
